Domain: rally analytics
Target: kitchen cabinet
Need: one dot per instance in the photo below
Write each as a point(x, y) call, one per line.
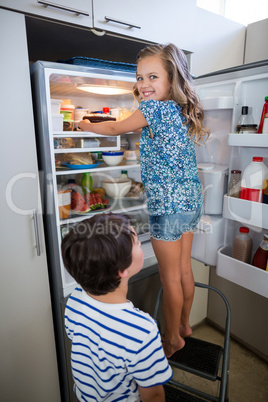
point(78, 12)
point(28, 369)
point(140, 20)
point(150, 20)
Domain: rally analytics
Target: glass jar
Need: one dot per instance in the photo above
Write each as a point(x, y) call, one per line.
point(234, 185)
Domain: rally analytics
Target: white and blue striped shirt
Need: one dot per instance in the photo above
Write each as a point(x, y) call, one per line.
point(115, 348)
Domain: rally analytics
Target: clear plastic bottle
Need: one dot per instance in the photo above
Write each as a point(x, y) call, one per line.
point(242, 246)
point(87, 183)
point(263, 126)
point(261, 255)
point(246, 123)
point(253, 180)
point(234, 185)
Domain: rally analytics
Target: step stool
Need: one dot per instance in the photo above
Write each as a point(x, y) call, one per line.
point(203, 359)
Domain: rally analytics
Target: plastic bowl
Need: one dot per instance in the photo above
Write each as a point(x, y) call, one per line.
point(116, 188)
point(113, 158)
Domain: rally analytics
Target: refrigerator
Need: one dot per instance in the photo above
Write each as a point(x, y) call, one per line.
point(52, 84)
point(222, 95)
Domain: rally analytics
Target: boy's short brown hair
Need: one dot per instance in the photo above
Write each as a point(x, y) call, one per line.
point(96, 249)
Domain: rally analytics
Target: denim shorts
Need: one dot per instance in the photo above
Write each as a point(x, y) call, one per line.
point(171, 227)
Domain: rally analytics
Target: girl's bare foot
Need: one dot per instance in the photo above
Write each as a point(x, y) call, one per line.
point(171, 348)
point(185, 330)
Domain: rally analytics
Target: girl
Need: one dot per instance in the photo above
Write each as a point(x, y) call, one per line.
point(171, 117)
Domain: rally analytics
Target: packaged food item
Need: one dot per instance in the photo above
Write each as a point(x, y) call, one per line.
point(253, 180)
point(98, 117)
point(64, 203)
point(79, 113)
point(242, 245)
point(265, 194)
point(234, 185)
point(83, 158)
point(261, 255)
point(124, 174)
point(66, 106)
point(263, 126)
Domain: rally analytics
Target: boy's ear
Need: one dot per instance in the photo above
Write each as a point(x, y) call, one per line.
point(123, 274)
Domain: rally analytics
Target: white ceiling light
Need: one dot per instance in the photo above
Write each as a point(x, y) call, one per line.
point(102, 90)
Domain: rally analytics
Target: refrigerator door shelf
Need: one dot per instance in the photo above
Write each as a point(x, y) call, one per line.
point(248, 140)
point(246, 212)
point(221, 102)
point(208, 238)
point(242, 274)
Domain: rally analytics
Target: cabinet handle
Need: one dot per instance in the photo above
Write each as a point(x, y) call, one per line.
point(59, 7)
point(108, 19)
point(36, 231)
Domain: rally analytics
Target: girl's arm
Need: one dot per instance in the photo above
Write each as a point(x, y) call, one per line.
point(132, 123)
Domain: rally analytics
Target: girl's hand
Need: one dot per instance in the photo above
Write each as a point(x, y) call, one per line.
point(132, 123)
point(85, 125)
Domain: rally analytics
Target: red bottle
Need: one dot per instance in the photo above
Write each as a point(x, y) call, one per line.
point(264, 112)
point(261, 255)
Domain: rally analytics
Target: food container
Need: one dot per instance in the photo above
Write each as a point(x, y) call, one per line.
point(57, 122)
point(88, 143)
point(64, 202)
point(79, 113)
point(116, 188)
point(55, 106)
point(132, 155)
point(124, 143)
point(68, 108)
point(112, 158)
point(68, 125)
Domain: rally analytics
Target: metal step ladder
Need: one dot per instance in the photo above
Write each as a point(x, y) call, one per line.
point(203, 359)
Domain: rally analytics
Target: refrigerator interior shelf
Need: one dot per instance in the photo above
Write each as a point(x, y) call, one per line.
point(248, 140)
point(102, 167)
point(77, 134)
point(81, 150)
point(220, 102)
point(125, 204)
point(248, 212)
point(242, 274)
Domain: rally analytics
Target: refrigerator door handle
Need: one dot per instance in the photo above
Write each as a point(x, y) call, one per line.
point(36, 232)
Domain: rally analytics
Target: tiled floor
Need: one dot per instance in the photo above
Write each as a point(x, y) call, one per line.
point(248, 380)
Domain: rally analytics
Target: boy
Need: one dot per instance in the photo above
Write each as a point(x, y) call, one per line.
point(116, 349)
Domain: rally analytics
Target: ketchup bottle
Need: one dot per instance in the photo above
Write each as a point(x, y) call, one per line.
point(263, 115)
point(261, 255)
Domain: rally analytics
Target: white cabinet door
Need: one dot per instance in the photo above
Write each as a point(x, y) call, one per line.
point(28, 369)
point(151, 20)
point(77, 12)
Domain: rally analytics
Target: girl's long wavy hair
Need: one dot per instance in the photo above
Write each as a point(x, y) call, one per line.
point(182, 89)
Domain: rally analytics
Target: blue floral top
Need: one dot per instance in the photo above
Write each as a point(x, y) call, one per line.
point(168, 161)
